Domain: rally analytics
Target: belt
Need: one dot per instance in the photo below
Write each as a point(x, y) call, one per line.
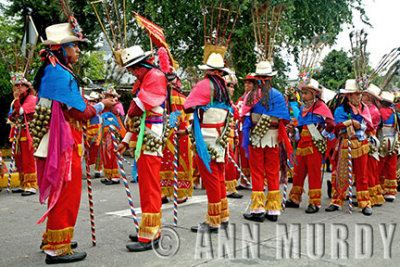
point(154, 120)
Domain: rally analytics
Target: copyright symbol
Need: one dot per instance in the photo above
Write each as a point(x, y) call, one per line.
point(168, 244)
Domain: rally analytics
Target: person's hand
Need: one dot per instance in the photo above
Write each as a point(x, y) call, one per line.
point(108, 103)
point(357, 125)
point(16, 94)
point(290, 129)
point(121, 148)
point(181, 133)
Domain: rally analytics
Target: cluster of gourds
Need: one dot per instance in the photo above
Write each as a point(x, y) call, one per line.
point(320, 144)
point(38, 126)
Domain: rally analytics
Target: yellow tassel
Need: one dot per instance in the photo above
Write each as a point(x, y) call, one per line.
point(390, 187)
point(213, 217)
point(363, 199)
point(150, 225)
point(315, 197)
point(372, 195)
point(224, 210)
point(30, 178)
point(274, 201)
point(295, 194)
point(213, 221)
point(214, 208)
point(231, 186)
point(258, 198)
point(337, 199)
point(357, 149)
point(59, 236)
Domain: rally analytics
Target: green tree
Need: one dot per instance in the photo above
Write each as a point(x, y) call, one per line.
point(335, 69)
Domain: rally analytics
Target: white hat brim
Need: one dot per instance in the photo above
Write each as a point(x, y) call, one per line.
point(208, 67)
point(69, 39)
point(344, 91)
point(137, 60)
point(270, 74)
point(307, 86)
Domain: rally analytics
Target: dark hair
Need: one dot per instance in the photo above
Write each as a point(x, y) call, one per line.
point(265, 94)
point(220, 89)
point(386, 104)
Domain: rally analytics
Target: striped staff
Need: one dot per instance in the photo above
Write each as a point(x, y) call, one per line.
point(284, 195)
point(16, 130)
point(127, 161)
point(175, 143)
point(238, 168)
point(350, 174)
point(126, 185)
point(89, 185)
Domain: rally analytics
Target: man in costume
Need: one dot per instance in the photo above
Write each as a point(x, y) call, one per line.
point(265, 112)
point(174, 105)
point(352, 119)
point(20, 115)
point(59, 143)
point(249, 83)
point(93, 137)
point(231, 174)
point(147, 127)
point(389, 149)
point(315, 120)
point(370, 98)
point(210, 104)
point(107, 149)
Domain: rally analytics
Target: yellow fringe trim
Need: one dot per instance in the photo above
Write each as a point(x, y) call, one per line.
point(111, 173)
point(29, 178)
point(30, 185)
point(274, 201)
point(150, 225)
point(224, 210)
point(213, 217)
point(379, 197)
point(372, 195)
point(258, 198)
point(58, 236)
point(295, 194)
point(182, 193)
point(363, 199)
point(304, 151)
point(337, 199)
point(390, 187)
point(231, 186)
point(315, 197)
point(357, 150)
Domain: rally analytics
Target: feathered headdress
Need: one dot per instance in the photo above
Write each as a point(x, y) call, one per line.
point(266, 18)
point(219, 22)
point(310, 56)
point(76, 28)
point(18, 56)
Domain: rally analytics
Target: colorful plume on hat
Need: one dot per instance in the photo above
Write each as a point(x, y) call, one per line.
point(18, 77)
point(76, 28)
point(109, 88)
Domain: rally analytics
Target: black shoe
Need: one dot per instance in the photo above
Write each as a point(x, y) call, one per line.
point(111, 182)
point(104, 180)
point(329, 188)
point(389, 199)
point(74, 245)
point(367, 211)
point(378, 205)
point(77, 256)
point(312, 209)
point(27, 193)
point(272, 218)
point(332, 208)
point(290, 204)
point(96, 175)
point(142, 246)
point(164, 200)
point(257, 217)
point(204, 227)
point(17, 190)
point(183, 200)
point(234, 195)
point(224, 225)
point(134, 237)
point(242, 187)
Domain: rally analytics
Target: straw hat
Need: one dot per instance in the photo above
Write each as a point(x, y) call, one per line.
point(133, 55)
point(215, 62)
point(94, 95)
point(374, 91)
point(264, 68)
point(387, 96)
point(350, 87)
point(62, 33)
point(311, 84)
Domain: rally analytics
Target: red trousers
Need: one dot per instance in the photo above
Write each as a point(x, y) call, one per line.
point(374, 186)
point(95, 157)
point(108, 155)
point(264, 164)
point(150, 196)
point(311, 165)
point(25, 162)
point(214, 183)
point(387, 172)
point(62, 218)
point(231, 174)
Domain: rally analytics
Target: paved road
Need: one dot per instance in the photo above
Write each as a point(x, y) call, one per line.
point(20, 235)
